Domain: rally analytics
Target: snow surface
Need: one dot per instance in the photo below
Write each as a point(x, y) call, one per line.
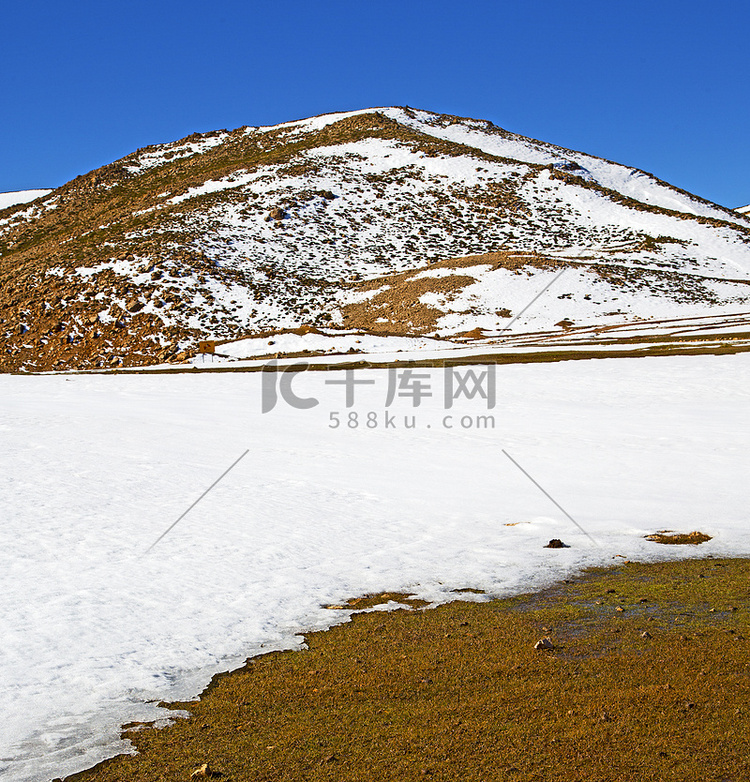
point(20, 197)
point(743, 210)
point(326, 343)
point(94, 468)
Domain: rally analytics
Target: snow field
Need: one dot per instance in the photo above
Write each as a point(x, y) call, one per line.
point(94, 468)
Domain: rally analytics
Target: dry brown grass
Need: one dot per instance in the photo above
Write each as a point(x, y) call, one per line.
point(379, 599)
point(648, 679)
point(679, 538)
point(397, 309)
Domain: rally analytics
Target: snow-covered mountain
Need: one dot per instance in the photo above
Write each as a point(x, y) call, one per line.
point(389, 221)
point(743, 210)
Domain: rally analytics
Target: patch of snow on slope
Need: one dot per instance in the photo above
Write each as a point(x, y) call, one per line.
point(325, 343)
point(237, 179)
point(20, 197)
point(311, 124)
point(579, 295)
point(709, 250)
point(166, 153)
point(628, 181)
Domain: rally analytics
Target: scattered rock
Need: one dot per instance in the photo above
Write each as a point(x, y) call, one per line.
point(203, 771)
point(646, 634)
point(556, 543)
point(544, 644)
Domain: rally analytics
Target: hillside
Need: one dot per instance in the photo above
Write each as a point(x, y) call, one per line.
point(388, 221)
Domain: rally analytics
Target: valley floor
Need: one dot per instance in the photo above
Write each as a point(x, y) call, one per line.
point(330, 501)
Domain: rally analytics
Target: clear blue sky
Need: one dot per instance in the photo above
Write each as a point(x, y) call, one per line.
point(660, 85)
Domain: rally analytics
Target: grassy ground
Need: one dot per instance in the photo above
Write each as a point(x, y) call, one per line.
point(649, 679)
